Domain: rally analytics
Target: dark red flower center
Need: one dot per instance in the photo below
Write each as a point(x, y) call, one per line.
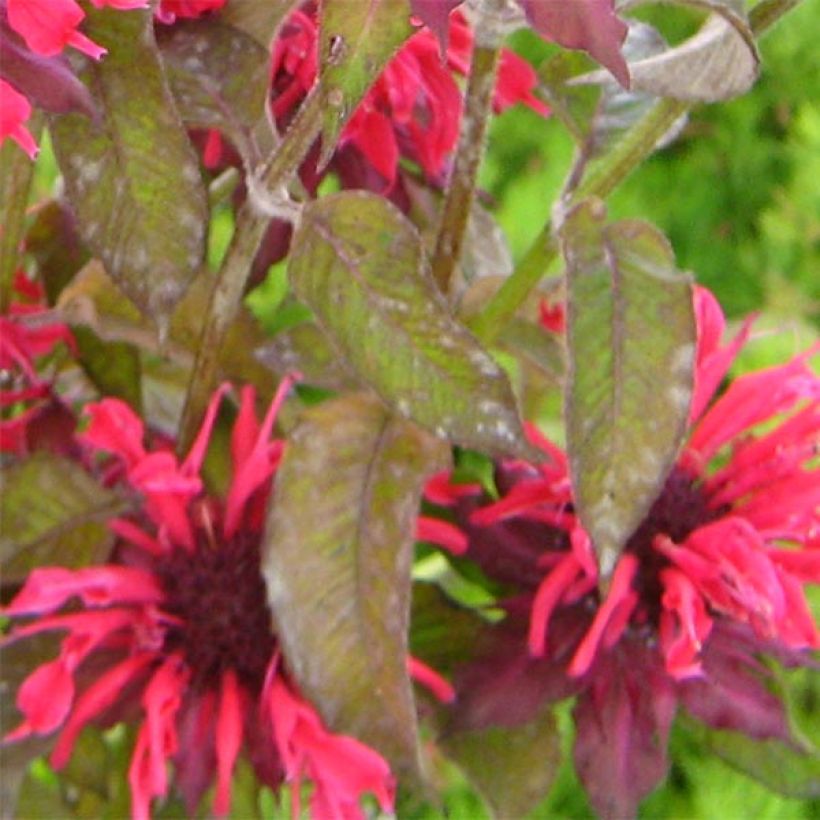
point(218, 593)
point(680, 509)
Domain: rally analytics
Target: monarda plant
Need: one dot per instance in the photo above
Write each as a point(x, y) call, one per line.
point(287, 522)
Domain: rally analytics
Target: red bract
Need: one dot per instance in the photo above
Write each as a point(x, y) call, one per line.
point(414, 108)
point(713, 577)
point(181, 616)
point(14, 113)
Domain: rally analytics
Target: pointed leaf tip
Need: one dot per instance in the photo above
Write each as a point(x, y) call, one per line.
point(631, 340)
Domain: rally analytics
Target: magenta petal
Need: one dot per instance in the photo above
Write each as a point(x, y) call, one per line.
point(228, 740)
point(48, 588)
point(116, 428)
point(97, 698)
point(45, 696)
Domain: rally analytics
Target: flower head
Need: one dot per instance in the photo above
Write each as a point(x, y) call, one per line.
point(180, 617)
point(713, 576)
point(413, 108)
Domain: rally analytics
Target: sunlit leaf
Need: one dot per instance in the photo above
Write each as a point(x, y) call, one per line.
point(53, 512)
point(511, 767)
point(355, 42)
point(631, 340)
point(337, 554)
point(357, 263)
point(133, 180)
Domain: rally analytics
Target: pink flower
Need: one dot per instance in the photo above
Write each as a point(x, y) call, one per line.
point(14, 112)
point(181, 616)
point(414, 107)
point(48, 26)
point(180, 620)
point(714, 576)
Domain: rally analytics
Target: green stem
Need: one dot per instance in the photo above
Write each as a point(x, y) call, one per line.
point(604, 176)
point(459, 198)
point(231, 281)
point(638, 142)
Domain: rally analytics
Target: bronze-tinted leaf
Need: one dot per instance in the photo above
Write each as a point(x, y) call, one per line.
point(219, 76)
point(355, 42)
point(133, 179)
point(53, 512)
point(337, 554)
point(631, 340)
point(357, 263)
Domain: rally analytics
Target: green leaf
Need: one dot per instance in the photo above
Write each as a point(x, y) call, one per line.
point(631, 340)
point(784, 768)
point(512, 767)
point(442, 633)
point(53, 512)
point(337, 554)
point(219, 76)
point(133, 179)
point(357, 262)
point(356, 40)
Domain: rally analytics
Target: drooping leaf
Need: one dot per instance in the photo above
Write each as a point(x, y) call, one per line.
point(618, 108)
point(357, 262)
point(435, 14)
point(260, 20)
point(53, 512)
point(719, 62)
point(631, 343)
point(590, 25)
point(134, 180)
point(511, 767)
point(219, 76)
point(355, 42)
point(337, 554)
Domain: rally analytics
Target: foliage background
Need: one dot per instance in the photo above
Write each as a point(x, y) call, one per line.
point(738, 194)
